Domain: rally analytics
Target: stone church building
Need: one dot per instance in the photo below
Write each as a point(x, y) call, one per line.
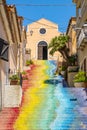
point(39, 35)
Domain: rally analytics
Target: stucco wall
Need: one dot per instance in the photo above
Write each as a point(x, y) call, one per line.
point(36, 37)
point(2, 30)
point(10, 100)
point(73, 36)
point(3, 67)
point(82, 54)
point(81, 19)
point(3, 79)
point(13, 57)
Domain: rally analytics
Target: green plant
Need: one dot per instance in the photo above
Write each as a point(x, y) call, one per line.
point(29, 62)
point(60, 44)
point(80, 77)
point(14, 77)
point(24, 75)
point(72, 59)
point(63, 68)
point(24, 72)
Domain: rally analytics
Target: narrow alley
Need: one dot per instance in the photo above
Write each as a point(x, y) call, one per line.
point(46, 103)
point(43, 65)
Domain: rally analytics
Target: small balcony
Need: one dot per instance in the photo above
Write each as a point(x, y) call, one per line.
point(82, 38)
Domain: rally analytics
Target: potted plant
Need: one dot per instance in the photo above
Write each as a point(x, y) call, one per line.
point(24, 75)
point(14, 79)
point(29, 62)
point(80, 79)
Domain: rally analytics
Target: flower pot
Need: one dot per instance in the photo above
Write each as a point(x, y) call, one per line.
point(14, 82)
point(79, 84)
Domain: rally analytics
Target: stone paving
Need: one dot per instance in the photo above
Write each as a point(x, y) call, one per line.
point(47, 103)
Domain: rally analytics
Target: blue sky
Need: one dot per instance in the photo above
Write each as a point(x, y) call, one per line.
point(58, 14)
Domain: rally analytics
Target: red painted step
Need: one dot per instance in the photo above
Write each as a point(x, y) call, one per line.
point(7, 118)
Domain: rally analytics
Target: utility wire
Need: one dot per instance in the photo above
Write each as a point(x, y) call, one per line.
point(39, 22)
point(43, 4)
point(63, 28)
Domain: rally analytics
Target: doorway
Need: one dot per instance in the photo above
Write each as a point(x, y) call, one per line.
point(42, 51)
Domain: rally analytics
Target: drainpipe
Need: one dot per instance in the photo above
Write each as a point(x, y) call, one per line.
point(18, 59)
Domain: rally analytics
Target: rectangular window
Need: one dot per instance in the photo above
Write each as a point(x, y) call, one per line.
point(4, 46)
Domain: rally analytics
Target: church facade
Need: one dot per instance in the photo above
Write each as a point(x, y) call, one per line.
point(39, 35)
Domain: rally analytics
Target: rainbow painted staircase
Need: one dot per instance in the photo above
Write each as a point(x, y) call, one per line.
point(46, 103)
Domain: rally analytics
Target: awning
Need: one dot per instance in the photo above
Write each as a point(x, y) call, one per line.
point(4, 49)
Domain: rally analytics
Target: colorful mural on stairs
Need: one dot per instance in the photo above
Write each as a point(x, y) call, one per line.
point(47, 104)
point(39, 101)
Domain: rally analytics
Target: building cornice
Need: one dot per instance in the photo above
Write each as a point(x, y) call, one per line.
point(70, 22)
point(12, 10)
point(75, 1)
point(5, 19)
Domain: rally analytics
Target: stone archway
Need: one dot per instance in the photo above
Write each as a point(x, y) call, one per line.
point(42, 50)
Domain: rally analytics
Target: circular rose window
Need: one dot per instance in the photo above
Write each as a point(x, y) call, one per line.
point(42, 30)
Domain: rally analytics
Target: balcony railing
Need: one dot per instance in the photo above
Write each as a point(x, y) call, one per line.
point(82, 38)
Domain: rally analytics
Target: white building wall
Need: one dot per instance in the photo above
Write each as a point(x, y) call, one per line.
point(2, 30)
point(4, 66)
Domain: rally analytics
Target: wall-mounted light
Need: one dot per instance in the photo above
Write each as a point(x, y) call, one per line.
point(31, 32)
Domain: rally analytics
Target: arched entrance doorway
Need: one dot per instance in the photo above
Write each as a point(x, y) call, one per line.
point(42, 50)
